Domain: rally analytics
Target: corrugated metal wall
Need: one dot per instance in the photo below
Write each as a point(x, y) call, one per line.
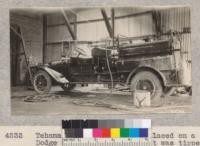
point(128, 26)
point(177, 19)
point(91, 31)
point(133, 25)
point(56, 33)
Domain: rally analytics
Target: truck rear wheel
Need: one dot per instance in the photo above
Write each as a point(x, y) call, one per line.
point(42, 82)
point(146, 80)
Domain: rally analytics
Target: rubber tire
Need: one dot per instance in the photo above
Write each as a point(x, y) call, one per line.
point(67, 89)
point(168, 91)
point(48, 79)
point(151, 77)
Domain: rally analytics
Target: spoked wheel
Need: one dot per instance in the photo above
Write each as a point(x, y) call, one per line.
point(146, 80)
point(42, 82)
point(68, 87)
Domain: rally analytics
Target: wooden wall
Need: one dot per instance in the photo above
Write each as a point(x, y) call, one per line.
point(31, 29)
point(127, 26)
point(56, 33)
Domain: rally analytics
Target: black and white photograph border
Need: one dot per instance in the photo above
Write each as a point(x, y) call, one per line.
point(103, 60)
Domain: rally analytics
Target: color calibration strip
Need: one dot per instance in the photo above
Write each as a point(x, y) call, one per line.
point(106, 128)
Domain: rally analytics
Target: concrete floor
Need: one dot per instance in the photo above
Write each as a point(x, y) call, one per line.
point(89, 100)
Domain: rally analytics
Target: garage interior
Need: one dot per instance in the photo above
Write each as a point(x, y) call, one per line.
point(47, 39)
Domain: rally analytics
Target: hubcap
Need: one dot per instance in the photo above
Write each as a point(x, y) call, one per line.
point(41, 83)
point(145, 85)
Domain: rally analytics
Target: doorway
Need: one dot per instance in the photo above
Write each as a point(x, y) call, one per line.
point(17, 59)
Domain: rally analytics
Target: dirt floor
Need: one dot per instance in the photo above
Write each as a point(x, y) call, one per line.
point(90, 100)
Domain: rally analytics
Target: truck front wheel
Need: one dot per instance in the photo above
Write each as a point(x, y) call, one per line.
point(146, 80)
point(42, 82)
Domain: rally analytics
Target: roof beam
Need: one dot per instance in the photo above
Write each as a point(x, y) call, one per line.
point(108, 25)
point(99, 20)
point(67, 23)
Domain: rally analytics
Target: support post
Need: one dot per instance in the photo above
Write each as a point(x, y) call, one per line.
point(113, 26)
point(44, 38)
point(113, 22)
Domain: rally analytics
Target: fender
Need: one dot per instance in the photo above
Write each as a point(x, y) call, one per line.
point(55, 75)
point(146, 67)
